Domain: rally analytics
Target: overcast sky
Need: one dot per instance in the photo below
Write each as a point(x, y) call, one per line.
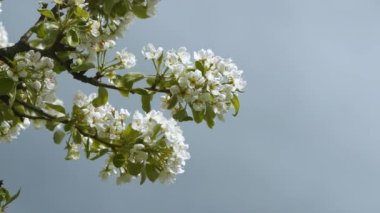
point(307, 138)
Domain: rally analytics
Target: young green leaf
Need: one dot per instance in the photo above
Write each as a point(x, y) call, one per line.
point(72, 38)
point(79, 12)
point(143, 177)
point(47, 13)
point(197, 115)
point(140, 91)
point(134, 168)
point(151, 172)
point(56, 107)
point(173, 101)
point(145, 100)
point(100, 154)
point(199, 66)
point(236, 103)
point(118, 160)
point(210, 116)
point(140, 11)
point(12, 198)
point(181, 115)
point(6, 86)
point(133, 77)
point(83, 67)
point(58, 136)
point(102, 97)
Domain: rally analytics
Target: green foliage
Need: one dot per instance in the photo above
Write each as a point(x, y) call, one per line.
point(118, 160)
point(70, 36)
point(146, 102)
point(197, 115)
point(102, 97)
point(47, 13)
point(6, 198)
point(7, 85)
point(236, 104)
point(151, 172)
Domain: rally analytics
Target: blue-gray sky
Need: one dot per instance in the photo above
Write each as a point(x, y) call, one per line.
point(307, 138)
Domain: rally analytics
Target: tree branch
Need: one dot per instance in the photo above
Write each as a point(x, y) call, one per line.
point(48, 117)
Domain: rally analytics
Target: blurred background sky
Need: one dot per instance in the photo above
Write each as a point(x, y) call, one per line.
point(307, 138)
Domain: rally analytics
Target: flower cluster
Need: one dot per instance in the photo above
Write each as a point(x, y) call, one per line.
point(159, 151)
point(208, 81)
point(155, 127)
point(10, 129)
point(106, 120)
point(151, 144)
point(35, 76)
point(126, 59)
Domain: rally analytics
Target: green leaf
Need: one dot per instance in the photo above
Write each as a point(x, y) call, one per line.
point(140, 91)
point(173, 101)
point(102, 97)
point(236, 103)
point(124, 93)
point(159, 60)
point(143, 177)
point(197, 115)
point(83, 67)
point(47, 13)
point(118, 160)
point(129, 135)
point(151, 172)
point(72, 38)
point(151, 80)
point(6, 86)
point(56, 107)
point(133, 77)
point(107, 6)
point(199, 66)
point(209, 117)
point(140, 11)
point(50, 125)
point(40, 30)
point(181, 115)
point(58, 136)
point(11, 199)
point(120, 9)
point(47, 33)
point(145, 100)
point(67, 127)
point(134, 168)
point(79, 12)
point(87, 148)
point(77, 137)
point(100, 154)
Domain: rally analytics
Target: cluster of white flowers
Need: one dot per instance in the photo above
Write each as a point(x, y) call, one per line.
point(9, 130)
point(108, 122)
point(3, 34)
point(126, 59)
point(150, 126)
point(155, 133)
point(36, 75)
point(209, 80)
point(151, 53)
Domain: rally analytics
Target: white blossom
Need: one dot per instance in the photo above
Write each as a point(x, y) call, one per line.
point(95, 26)
point(128, 60)
point(147, 124)
point(208, 81)
point(108, 122)
point(151, 53)
point(9, 129)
